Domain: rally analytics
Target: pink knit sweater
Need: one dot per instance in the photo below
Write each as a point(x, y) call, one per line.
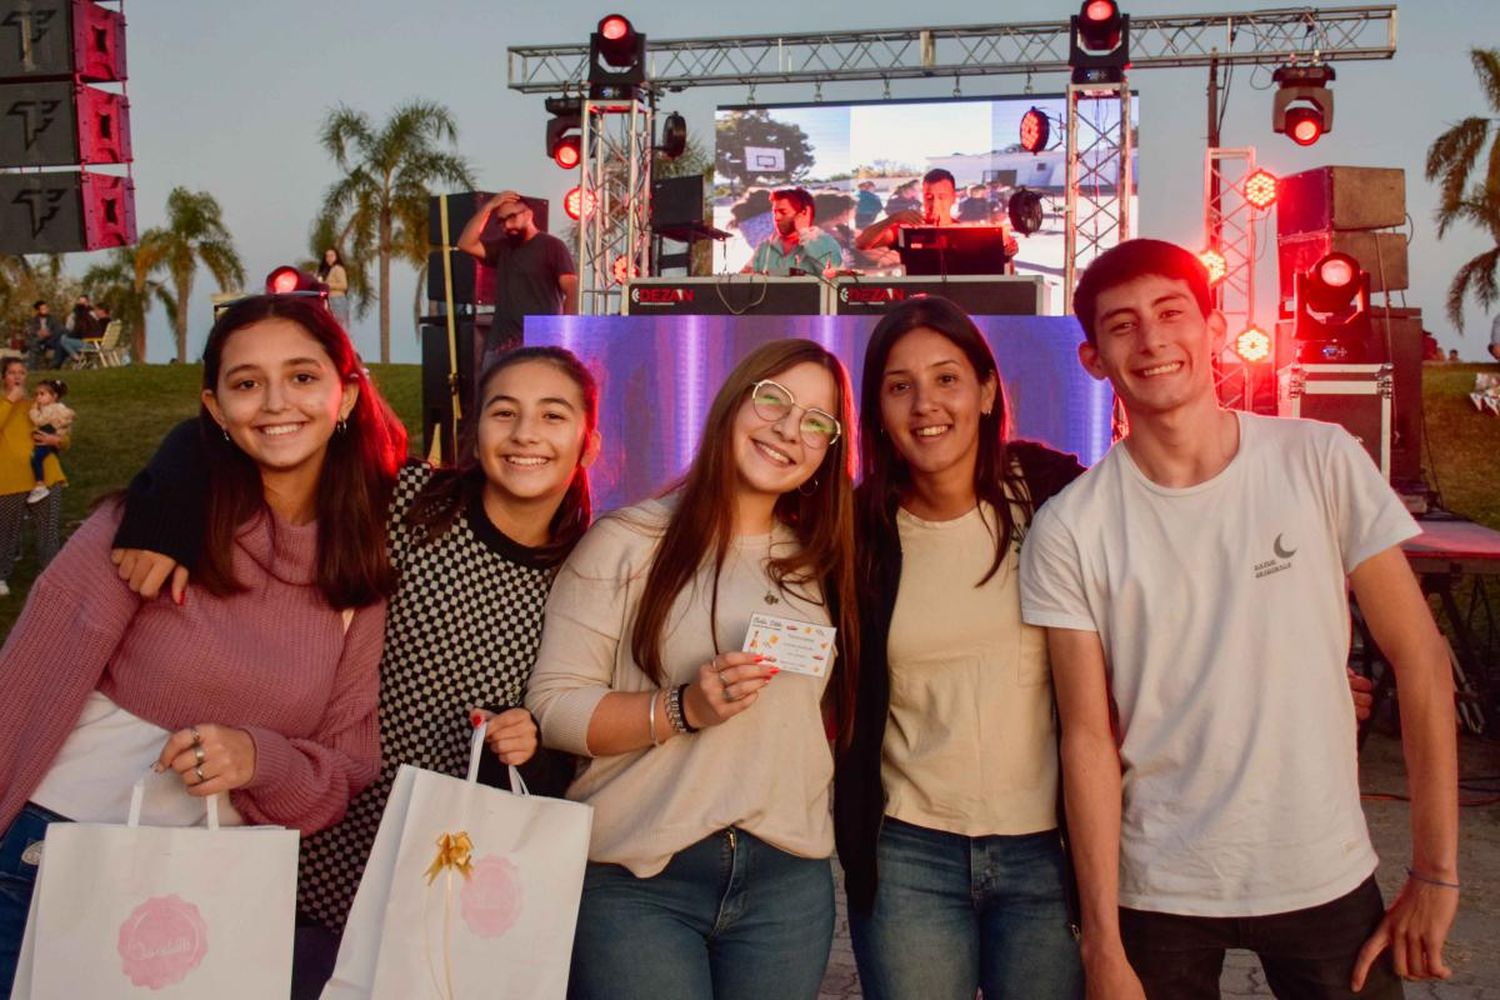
point(273, 660)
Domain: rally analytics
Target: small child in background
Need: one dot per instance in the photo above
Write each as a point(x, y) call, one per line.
point(48, 416)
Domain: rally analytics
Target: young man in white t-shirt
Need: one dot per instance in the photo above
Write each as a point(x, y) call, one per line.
point(1193, 585)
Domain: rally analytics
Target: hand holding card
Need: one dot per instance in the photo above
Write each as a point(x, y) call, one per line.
point(800, 647)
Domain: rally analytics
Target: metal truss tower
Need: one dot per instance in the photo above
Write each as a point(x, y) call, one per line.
point(1100, 182)
point(614, 201)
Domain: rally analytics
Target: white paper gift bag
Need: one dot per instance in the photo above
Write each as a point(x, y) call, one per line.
point(123, 911)
point(469, 891)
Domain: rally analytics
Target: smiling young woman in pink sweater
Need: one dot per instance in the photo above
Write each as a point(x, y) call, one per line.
point(263, 684)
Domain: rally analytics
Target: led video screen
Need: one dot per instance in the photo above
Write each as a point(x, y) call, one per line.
point(864, 161)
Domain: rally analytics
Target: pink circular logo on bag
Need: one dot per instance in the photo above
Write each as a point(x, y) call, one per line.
point(490, 900)
point(161, 941)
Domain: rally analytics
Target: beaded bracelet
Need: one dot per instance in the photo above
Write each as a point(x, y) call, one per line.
point(1418, 876)
point(675, 715)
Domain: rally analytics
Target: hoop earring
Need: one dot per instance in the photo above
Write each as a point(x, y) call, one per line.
point(803, 489)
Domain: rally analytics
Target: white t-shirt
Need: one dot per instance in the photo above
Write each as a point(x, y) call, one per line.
point(1223, 612)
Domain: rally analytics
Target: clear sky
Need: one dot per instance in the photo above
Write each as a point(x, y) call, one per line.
point(227, 97)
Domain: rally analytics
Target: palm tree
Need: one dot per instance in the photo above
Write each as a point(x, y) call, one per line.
point(1456, 156)
point(125, 284)
point(381, 199)
point(194, 232)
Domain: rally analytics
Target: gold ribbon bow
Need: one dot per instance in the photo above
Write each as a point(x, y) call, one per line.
point(453, 852)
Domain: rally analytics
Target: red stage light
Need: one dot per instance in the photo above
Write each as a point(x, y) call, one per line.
point(614, 27)
point(1035, 130)
point(1098, 10)
point(1336, 271)
point(568, 152)
point(1253, 345)
point(283, 280)
point(1215, 263)
point(578, 203)
point(1304, 125)
point(1260, 189)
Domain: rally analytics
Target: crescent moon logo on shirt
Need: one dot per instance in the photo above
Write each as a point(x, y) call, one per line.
point(1281, 552)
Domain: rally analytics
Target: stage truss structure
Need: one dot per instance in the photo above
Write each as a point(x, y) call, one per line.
point(1100, 179)
point(1241, 38)
point(1229, 226)
point(614, 201)
point(1268, 38)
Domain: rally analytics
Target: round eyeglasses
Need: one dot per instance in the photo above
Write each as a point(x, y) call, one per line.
point(773, 401)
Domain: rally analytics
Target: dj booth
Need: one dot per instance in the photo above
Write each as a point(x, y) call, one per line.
point(846, 295)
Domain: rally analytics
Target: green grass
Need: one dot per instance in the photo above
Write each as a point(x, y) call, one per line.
point(1462, 453)
point(123, 413)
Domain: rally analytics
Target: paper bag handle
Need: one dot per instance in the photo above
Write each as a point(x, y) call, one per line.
point(138, 794)
point(476, 749)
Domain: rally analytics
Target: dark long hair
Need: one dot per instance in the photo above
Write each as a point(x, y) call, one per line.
point(452, 489)
point(701, 527)
point(996, 479)
point(324, 267)
point(354, 487)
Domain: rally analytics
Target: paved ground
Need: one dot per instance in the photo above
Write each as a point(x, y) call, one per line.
point(1473, 947)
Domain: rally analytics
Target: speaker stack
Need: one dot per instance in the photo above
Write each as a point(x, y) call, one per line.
point(1358, 211)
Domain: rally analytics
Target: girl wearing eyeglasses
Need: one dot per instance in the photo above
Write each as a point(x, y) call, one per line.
point(709, 768)
point(947, 799)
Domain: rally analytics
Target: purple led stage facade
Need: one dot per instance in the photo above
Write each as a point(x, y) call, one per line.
point(658, 375)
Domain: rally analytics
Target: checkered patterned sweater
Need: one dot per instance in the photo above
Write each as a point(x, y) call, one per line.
point(463, 629)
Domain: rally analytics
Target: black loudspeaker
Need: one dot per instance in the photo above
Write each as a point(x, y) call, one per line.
point(473, 282)
point(1341, 198)
point(440, 376)
point(61, 38)
point(461, 208)
point(65, 211)
point(62, 123)
point(677, 201)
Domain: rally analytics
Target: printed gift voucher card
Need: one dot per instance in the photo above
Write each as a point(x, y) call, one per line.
point(791, 645)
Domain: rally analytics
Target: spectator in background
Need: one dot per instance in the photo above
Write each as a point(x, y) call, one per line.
point(333, 274)
point(904, 199)
point(16, 479)
point(835, 208)
point(1453, 357)
point(867, 205)
point(45, 335)
point(80, 322)
point(976, 207)
point(1431, 351)
point(751, 215)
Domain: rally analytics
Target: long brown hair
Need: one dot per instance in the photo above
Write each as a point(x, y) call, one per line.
point(701, 527)
point(354, 487)
point(996, 480)
point(452, 489)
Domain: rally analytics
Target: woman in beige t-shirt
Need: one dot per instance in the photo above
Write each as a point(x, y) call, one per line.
point(333, 274)
point(709, 774)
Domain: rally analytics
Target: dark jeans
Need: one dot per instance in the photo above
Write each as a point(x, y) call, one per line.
point(955, 915)
point(18, 882)
point(1307, 954)
point(729, 918)
point(39, 455)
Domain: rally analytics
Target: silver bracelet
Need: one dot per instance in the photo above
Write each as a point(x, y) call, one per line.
point(651, 720)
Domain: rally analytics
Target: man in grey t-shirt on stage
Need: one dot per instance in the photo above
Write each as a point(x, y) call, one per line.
point(534, 273)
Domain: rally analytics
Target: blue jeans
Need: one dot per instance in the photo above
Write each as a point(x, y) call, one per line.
point(955, 914)
point(729, 918)
point(17, 882)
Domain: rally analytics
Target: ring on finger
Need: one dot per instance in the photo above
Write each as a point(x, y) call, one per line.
point(728, 694)
point(198, 753)
point(197, 737)
point(199, 772)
